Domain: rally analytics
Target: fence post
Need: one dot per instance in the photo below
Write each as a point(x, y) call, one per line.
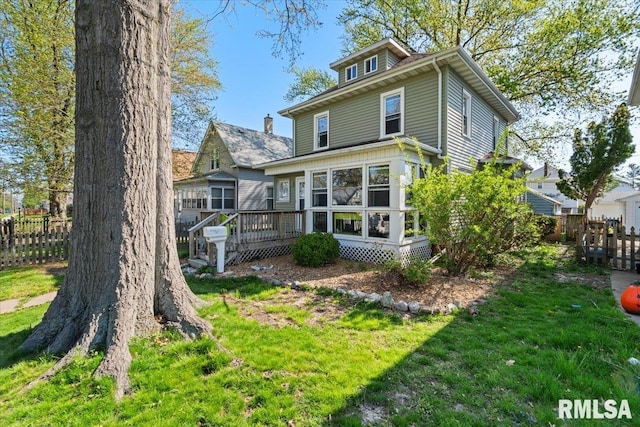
point(623, 238)
point(632, 248)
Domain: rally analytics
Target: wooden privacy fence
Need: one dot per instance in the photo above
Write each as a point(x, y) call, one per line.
point(607, 245)
point(34, 248)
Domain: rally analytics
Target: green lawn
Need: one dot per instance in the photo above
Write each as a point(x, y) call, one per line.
point(28, 281)
point(507, 366)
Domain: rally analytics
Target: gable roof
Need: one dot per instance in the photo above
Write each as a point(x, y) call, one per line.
point(249, 147)
point(182, 163)
point(456, 58)
point(538, 174)
point(544, 197)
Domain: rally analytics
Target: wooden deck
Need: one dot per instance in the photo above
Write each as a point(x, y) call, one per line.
point(251, 235)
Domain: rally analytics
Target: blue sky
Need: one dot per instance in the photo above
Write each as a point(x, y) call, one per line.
point(255, 82)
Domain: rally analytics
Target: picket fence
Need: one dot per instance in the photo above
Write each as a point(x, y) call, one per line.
point(609, 245)
point(34, 248)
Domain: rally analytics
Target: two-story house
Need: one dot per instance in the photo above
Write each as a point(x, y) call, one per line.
point(348, 171)
point(543, 181)
point(224, 177)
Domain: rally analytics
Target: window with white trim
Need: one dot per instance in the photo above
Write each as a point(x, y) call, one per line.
point(466, 113)
point(496, 131)
point(378, 224)
point(371, 64)
point(392, 113)
point(321, 131)
point(270, 198)
point(378, 186)
point(351, 72)
point(346, 189)
point(215, 158)
point(223, 198)
point(319, 189)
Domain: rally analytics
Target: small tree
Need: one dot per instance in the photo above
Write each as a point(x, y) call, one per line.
point(473, 217)
point(596, 155)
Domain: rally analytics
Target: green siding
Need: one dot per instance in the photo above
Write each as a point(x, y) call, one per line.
point(384, 58)
point(291, 204)
point(357, 120)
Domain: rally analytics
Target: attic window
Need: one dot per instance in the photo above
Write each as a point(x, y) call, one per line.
point(215, 159)
point(351, 72)
point(371, 64)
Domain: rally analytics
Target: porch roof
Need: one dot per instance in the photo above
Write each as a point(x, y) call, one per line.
point(408, 143)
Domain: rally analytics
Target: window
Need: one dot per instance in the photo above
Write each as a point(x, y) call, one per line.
point(321, 131)
point(283, 190)
point(319, 189)
point(223, 198)
point(270, 204)
point(410, 221)
point(347, 223)
point(371, 64)
point(194, 198)
point(378, 186)
point(351, 72)
point(466, 113)
point(320, 222)
point(215, 159)
point(392, 113)
point(496, 131)
point(346, 189)
point(379, 224)
point(539, 186)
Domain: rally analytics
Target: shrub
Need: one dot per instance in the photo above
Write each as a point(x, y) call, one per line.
point(545, 224)
point(315, 249)
point(417, 272)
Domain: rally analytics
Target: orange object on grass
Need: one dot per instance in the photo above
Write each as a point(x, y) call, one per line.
point(630, 299)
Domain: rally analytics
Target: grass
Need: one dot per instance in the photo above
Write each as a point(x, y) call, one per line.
point(508, 365)
point(27, 281)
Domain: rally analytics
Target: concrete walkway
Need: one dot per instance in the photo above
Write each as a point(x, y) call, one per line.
point(620, 280)
point(10, 305)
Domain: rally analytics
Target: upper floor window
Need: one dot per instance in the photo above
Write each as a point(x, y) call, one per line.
point(351, 72)
point(496, 131)
point(371, 64)
point(321, 131)
point(270, 198)
point(392, 113)
point(466, 113)
point(215, 159)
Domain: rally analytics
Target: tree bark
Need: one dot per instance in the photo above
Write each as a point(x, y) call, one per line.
point(123, 270)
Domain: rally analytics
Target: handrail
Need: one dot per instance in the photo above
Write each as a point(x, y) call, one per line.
point(204, 222)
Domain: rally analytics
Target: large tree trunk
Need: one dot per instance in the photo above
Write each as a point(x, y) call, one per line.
point(123, 271)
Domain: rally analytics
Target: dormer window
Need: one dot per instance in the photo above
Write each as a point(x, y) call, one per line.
point(321, 131)
point(371, 64)
point(215, 159)
point(351, 72)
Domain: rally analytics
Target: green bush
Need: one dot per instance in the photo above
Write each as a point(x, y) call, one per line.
point(315, 249)
point(417, 272)
point(546, 224)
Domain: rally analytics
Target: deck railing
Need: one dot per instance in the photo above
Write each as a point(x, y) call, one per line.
point(248, 231)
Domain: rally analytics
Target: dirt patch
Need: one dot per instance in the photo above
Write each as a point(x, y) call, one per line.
point(440, 291)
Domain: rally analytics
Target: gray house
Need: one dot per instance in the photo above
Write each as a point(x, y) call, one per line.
point(223, 177)
point(349, 172)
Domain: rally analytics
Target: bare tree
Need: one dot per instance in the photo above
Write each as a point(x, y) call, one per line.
point(123, 270)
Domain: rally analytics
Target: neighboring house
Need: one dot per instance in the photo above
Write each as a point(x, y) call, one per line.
point(544, 180)
point(222, 176)
point(621, 202)
point(542, 204)
point(349, 173)
point(634, 90)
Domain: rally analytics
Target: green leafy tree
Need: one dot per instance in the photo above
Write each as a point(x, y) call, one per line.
point(37, 89)
point(473, 217)
point(631, 176)
point(555, 60)
point(596, 154)
point(308, 82)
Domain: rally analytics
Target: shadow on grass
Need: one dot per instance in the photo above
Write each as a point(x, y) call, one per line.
point(510, 364)
point(242, 286)
point(9, 352)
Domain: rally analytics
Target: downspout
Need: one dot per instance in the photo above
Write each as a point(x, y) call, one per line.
point(435, 66)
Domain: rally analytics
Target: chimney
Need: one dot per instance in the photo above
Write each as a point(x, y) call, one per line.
point(546, 169)
point(268, 125)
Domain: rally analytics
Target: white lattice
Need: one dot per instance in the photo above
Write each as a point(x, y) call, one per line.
point(380, 255)
point(270, 252)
